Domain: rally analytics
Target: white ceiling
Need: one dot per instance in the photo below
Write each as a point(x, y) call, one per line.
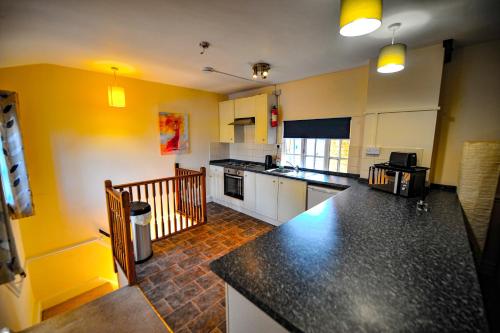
point(157, 40)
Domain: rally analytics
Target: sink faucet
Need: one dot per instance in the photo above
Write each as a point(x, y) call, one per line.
point(296, 167)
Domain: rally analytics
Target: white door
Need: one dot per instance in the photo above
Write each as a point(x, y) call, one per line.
point(291, 198)
point(266, 202)
point(249, 190)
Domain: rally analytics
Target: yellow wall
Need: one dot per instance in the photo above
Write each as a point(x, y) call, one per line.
point(470, 106)
point(74, 141)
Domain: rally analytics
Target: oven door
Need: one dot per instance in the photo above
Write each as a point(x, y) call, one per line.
point(233, 186)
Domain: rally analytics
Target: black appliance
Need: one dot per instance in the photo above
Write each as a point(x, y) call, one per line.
point(404, 181)
point(268, 163)
point(406, 160)
point(233, 183)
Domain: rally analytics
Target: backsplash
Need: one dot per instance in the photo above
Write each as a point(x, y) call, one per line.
point(253, 152)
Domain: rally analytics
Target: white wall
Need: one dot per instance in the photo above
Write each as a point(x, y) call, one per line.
point(402, 108)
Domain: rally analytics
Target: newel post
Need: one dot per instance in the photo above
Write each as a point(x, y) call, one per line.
point(109, 186)
point(203, 171)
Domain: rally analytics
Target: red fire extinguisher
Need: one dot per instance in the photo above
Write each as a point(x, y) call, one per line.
point(274, 116)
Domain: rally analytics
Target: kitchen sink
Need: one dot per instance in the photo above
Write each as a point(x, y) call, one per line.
point(278, 170)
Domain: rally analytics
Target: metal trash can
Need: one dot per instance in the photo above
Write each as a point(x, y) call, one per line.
point(140, 216)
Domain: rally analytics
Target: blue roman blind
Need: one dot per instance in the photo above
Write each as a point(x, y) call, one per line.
point(330, 128)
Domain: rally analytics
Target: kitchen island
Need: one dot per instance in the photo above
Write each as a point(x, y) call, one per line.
point(363, 261)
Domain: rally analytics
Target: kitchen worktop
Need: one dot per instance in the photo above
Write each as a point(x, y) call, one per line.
point(363, 260)
point(340, 182)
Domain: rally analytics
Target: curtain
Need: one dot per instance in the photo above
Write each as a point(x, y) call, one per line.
point(16, 198)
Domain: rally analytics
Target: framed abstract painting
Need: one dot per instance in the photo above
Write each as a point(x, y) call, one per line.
point(174, 135)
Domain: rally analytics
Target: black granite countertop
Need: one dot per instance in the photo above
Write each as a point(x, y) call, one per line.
point(364, 261)
point(340, 182)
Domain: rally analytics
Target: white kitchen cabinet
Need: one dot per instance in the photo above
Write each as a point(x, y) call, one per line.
point(249, 190)
point(226, 116)
point(291, 198)
point(266, 201)
point(216, 182)
point(263, 129)
point(244, 107)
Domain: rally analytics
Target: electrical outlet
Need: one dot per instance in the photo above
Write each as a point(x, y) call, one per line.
point(373, 151)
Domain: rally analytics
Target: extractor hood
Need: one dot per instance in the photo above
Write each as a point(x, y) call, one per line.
point(243, 121)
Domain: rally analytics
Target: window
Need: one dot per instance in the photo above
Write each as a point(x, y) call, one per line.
point(317, 154)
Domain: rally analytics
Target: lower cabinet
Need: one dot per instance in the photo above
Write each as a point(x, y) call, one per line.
point(291, 199)
point(275, 199)
point(266, 199)
point(216, 183)
point(244, 317)
point(249, 190)
point(278, 198)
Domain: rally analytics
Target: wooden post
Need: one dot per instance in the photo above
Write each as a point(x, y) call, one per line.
point(203, 171)
point(109, 185)
point(129, 247)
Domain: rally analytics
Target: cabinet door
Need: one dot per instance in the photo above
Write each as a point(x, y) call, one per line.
point(211, 182)
point(262, 118)
point(266, 202)
point(217, 182)
point(291, 199)
point(249, 190)
point(244, 107)
point(226, 116)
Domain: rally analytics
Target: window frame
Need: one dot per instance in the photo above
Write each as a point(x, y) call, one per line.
point(326, 154)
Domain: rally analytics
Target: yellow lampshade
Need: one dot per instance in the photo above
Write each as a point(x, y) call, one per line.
point(360, 17)
point(392, 58)
point(116, 96)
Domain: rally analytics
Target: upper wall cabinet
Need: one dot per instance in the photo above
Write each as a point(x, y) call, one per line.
point(244, 107)
point(259, 107)
point(226, 116)
point(264, 133)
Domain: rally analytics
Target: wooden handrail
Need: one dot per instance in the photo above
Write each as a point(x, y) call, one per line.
point(177, 203)
point(158, 180)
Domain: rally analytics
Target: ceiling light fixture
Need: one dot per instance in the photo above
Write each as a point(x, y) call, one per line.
point(209, 69)
point(392, 57)
point(261, 69)
point(116, 94)
point(360, 17)
point(204, 46)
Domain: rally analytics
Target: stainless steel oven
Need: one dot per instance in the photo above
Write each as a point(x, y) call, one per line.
point(233, 183)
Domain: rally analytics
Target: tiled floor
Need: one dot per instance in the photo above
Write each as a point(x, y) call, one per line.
point(178, 281)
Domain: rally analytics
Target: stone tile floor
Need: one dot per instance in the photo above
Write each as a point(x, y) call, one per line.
point(177, 279)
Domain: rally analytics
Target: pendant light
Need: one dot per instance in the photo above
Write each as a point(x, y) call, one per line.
point(116, 94)
point(360, 17)
point(392, 57)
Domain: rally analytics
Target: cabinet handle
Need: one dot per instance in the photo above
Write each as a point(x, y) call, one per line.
point(281, 183)
point(274, 181)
